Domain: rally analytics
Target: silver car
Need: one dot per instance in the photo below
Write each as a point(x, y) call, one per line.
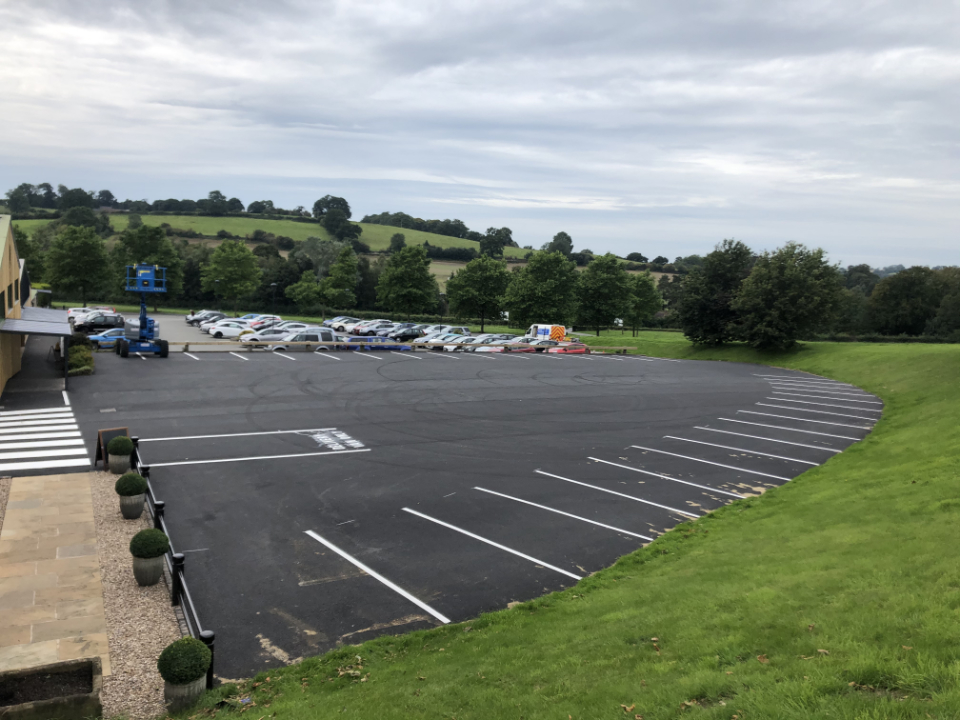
point(312, 336)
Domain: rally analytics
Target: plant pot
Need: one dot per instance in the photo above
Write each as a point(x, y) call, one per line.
point(119, 464)
point(131, 506)
point(148, 571)
point(181, 697)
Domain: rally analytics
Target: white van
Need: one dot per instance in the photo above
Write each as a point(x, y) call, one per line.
point(547, 332)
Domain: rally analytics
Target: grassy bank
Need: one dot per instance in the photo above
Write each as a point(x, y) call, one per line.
point(835, 596)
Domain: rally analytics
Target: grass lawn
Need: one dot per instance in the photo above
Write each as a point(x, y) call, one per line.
point(834, 596)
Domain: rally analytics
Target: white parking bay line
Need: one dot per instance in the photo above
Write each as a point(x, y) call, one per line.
point(760, 437)
point(780, 427)
point(443, 355)
point(790, 417)
point(494, 544)
point(257, 457)
point(66, 400)
point(781, 387)
point(44, 464)
point(191, 355)
point(743, 450)
point(240, 356)
point(710, 462)
point(624, 495)
point(821, 412)
point(328, 355)
point(366, 355)
point(284, 356)
point(672, 479)
point(374, 574)
point(819, 404)
point(31, 412)
point(245, 434)
point(808, 378)
point(561, 512)
point(72, 442)
point(45, 428)
point(406, 356)
point(827, 397)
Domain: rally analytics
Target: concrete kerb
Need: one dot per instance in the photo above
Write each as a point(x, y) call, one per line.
point(231, 347)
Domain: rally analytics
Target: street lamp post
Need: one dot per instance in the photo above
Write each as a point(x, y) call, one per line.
point(216, 291)
point(273, 309)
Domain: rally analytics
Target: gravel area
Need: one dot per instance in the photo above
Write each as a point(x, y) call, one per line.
point(140, 621)
point(4, 494)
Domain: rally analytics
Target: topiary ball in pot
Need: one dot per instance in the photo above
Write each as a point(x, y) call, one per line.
point(132, 489)
point(183, 665)
point(118, 453)
point(148, 548)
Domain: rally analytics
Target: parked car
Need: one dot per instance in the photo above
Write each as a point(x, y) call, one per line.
point(189, 318)
point(538, 346)
point(291, 325)
point(434, 329)
point(460, 344)
point(210, 316)
point(370, 327)
point(342, 323)
point(264, 338)
point(406, 333)
point(395, 327)
point(335, 322)
point(375, 343)
point(229, 329)
point(207, 327)
point(74, 311)
point(308, 335)
point(569, 347)
point(265, 321)
point(349, 327)
point(491, 345)
point(98, 321)
point(106, 339)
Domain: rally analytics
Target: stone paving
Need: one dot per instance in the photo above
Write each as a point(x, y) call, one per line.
point(51, 598)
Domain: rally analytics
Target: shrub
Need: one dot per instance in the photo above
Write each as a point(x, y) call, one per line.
point(79, 356)
point(78, 339)
point(149, 543)
point(43, 300)
point(85, 370)
point(184, 661)
point(130, 484)
point(120, 445)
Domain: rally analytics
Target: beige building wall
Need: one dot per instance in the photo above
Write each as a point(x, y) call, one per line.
point(10, 345)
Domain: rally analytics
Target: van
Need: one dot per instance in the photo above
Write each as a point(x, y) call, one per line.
point(548, 332)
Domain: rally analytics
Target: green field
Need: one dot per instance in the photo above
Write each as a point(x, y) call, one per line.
point(376, 236)
point(834, 596)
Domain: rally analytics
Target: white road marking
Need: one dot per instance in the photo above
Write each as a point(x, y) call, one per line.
point(43, 464)
point(326, 354)
point(140, 355)
point(406, 356)
point(374, 574)
point(262, 432)
point(825, 383)
point(494, 544)
point(672, 479)
point(41, 443)
point(614, 492)
point(808, 378)
point(780, 427)
point(66, 413)
point(743, 450)
point(32, 412)
point(191, 355)
point(760, 437)
point(257, 457)
point(365, 354)
point(48, 420)
point(824, 397)
point(443, 355)
point(780, 387)
point(484, 357)
point(20, 455)
point(45, 428)
point(710, 462)
point(561, 512)
point(789, 417)
point(41, 436)
point(821, 412)
point(284, 356)
point(808, 402)
point(240, 356)
point(66, 400)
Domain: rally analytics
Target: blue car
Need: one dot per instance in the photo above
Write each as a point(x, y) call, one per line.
point(374, 343)
point(107, 339)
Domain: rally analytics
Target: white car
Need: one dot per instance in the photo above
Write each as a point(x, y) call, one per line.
point(190, 317)
point(460, 344)
point(230, 329)
point(265, 337)
point(208, 326)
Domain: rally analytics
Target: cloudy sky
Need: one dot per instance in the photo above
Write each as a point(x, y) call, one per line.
point(659, 127)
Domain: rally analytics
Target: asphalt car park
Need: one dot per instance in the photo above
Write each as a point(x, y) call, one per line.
point(326, 498)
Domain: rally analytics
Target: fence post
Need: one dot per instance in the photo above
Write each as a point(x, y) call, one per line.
point(207, 637)
point(176, 586)
point(158, 506)
point(135, 455)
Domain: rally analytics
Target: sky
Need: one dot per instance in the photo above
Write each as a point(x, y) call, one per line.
point(653, 127)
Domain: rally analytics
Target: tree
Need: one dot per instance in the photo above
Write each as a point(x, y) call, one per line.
point(706, 310)
point(77, 262)
point(398, 241)
point(545, 291)
point(48, 196)
point(74, 197)
point(134, 221)
point(660, 260)
point(406, 284)
point(234, 205)
point(150, 245)
point(336, 222)
point(105, 198)
point(85, 217)
point(644, 302)
point(561, 242)
point(30, 252)
point(305, 293)
point(232, 273)
point(789, 294)
point(327, 203)
point(495, 240)
point(339, 287)
point(903, 303)
point(321, 253)
point(946, 323)
point(477, 290)
point(637, 257)
point(262, 206)
point(603, 292)
point(18, 200)
point(214, 204)
point(862, 277)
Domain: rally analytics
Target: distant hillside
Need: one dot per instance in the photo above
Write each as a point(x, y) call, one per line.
point(376, 236)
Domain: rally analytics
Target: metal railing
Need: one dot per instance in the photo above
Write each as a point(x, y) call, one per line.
point(179, 590)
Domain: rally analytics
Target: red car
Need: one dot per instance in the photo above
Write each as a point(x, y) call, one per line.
point(578, 348)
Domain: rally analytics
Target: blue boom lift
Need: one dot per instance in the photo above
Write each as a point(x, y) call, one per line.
point(145, 337)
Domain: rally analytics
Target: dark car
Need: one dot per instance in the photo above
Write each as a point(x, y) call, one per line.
point(199, 319)
point(99, 321)
point(408, 333)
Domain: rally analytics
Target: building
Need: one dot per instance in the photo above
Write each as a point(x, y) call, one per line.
point(11, 345)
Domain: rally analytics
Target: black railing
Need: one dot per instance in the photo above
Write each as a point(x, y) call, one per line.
point(179, 590)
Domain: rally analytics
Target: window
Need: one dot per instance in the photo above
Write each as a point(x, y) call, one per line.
point(2, 300)
point(311, 338)
point(16, 291)
point(10, 296)
point(326, 337)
